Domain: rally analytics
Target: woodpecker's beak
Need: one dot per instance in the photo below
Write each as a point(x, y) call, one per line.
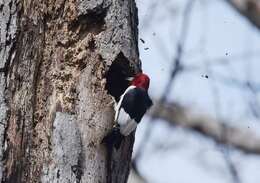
point(129, 78)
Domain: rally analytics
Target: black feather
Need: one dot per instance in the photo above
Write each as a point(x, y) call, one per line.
point(136, 102)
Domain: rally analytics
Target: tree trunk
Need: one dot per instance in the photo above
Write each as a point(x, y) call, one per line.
point(60, 63)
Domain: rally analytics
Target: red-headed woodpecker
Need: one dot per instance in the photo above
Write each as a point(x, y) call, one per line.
point(130, 109)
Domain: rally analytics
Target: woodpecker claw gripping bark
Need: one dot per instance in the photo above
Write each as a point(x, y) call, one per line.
point(113, 138)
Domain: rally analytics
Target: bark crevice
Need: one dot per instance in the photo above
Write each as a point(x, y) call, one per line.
point(92, 22)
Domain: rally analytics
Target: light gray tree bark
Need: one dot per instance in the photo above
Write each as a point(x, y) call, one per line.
point(60, 63)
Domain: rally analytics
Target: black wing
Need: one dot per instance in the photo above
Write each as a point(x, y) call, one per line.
point(136, 102)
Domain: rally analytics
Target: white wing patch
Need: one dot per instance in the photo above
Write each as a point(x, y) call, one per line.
point(118, 105)
point(127, 125)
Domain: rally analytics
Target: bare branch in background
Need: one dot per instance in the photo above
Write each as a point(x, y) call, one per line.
point(218, 130)
point(242, 139)
point(231, 166)
point(176, 69)
point(248, 8)
point(225, 151)
point(252, 88)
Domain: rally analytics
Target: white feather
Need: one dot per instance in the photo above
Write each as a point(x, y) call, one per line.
point(123, 117)
point(127, 125)
point(118, 106)
point(129, 128)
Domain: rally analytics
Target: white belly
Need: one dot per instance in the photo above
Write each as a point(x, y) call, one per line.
point(128, 128)
point(127, 125)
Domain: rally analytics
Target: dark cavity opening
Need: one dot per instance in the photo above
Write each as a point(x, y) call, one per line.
point(92, 22)
point(116, 76)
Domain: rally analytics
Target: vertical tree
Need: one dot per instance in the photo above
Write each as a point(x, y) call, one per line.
point(60, 64)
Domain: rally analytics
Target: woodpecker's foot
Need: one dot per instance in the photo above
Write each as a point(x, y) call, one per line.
point(113, 138)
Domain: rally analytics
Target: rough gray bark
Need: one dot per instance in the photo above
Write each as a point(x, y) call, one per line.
point(242, 139)
point(60, 62)
point(8, 28)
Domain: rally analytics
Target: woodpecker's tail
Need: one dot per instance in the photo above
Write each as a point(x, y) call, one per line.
point(114, 138)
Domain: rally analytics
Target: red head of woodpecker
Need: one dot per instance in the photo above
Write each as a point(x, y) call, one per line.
point(141, 80)
point(130, 109)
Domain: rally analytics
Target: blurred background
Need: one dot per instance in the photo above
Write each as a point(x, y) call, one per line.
point(203, 59)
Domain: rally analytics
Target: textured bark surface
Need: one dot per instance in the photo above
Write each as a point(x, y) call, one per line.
point(59, 63)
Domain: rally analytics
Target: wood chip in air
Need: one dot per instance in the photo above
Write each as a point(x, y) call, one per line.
point(205, 76)
point(142, 40)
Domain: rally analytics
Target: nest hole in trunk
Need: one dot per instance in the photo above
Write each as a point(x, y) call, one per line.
point(117, 75)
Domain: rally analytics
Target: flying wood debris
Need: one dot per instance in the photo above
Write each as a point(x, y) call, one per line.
point(205, 76)
point(142, 40)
